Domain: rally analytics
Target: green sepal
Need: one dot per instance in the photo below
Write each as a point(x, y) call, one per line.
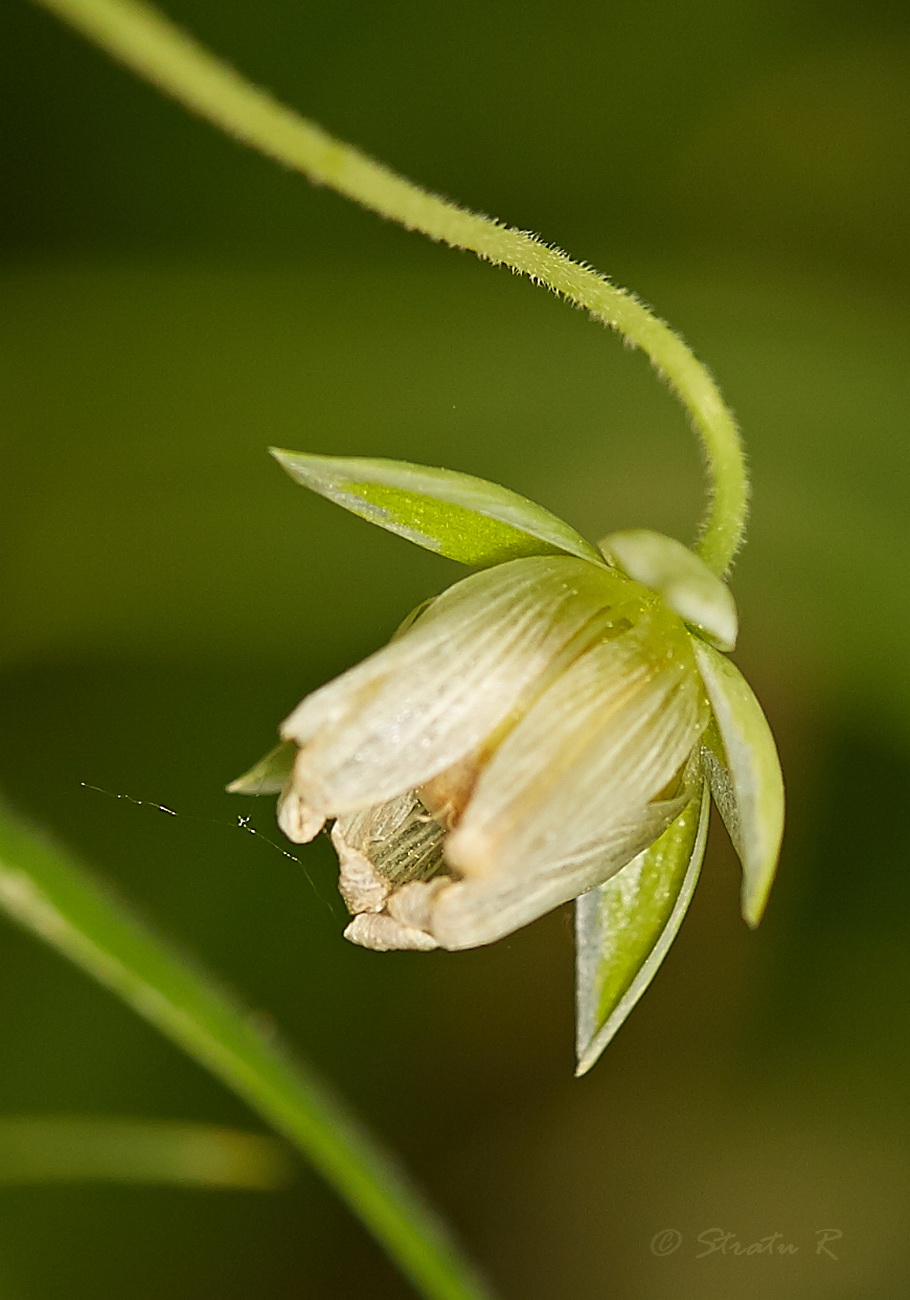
point(269, 774)
point(681, 577)
point(624, 927)
point(743, 769)
point(465, 518)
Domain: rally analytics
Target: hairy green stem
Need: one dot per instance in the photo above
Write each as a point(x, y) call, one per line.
point(147, 42)
point(55, 898)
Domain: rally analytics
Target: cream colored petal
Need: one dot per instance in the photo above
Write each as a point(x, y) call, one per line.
point(446, 795)
point(413, 904)
point(417, 706)
point(359, 883)
point(299, 822)
point(468, 913)
point(595, 749)
point(385, 934)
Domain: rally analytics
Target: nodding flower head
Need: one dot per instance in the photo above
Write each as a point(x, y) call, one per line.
point(522, 740)
point(542, 731)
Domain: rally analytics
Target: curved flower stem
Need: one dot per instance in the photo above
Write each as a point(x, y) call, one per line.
point(152, 46)
point(56, 899)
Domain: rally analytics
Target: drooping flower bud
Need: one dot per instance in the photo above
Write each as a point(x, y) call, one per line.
point(532, 727)
point(544, 730)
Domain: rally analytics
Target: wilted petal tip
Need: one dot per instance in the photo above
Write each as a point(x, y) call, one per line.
point(383, 933)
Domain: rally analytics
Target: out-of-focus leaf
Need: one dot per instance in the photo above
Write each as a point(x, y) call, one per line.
point(682, 578)
point(745, 777)
point(465, 518)
point(624, 927)
point(269, 774)
point(53, 1149)
point(53, 897)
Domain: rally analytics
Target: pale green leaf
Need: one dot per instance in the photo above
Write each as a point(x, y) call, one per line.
point(745, 776)
point(269, 774)
point(54, 1149)
point(457, 515)
point(683, 579)
point(624, 928)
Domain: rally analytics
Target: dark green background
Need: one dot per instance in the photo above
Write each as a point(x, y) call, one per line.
point(172, 305)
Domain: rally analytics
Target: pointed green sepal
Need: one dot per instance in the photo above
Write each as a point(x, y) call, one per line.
point(686, 583)
point(744, 772)
point(465, 518)
point(269, 774)
point(624, 927)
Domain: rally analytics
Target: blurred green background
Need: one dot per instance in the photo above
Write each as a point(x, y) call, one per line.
point(173, 304)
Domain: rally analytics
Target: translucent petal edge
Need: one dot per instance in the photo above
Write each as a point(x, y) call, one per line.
point(460, 516)
point(269, 774)
point(591, 1040)
point(746, 779)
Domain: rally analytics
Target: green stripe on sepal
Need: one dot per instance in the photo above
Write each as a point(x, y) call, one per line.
point(465, 518)
point(745, 777)
point(269, 774)
point(624, 927)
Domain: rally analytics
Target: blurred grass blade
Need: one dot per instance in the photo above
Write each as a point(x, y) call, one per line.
point(54, 1149)
point(623, 928)
point(746, 780)
point(49, 894)
point(457, 515)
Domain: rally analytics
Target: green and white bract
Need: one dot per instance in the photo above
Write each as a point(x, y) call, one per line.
point(546, 729)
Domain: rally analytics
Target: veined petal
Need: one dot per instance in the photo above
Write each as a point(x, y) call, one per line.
point(439, 690)
point(296, 818)
point(592, 753)
point(468, 913)
point(624, 927)
point(383, 933)
point(745, 777)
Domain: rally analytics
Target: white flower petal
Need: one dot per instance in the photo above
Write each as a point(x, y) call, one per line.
point(594, 750)
point(359, 883)
point(298, 820)
point(746, 779)
point(385, 934)
point(417, 706)
point(468, 913)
